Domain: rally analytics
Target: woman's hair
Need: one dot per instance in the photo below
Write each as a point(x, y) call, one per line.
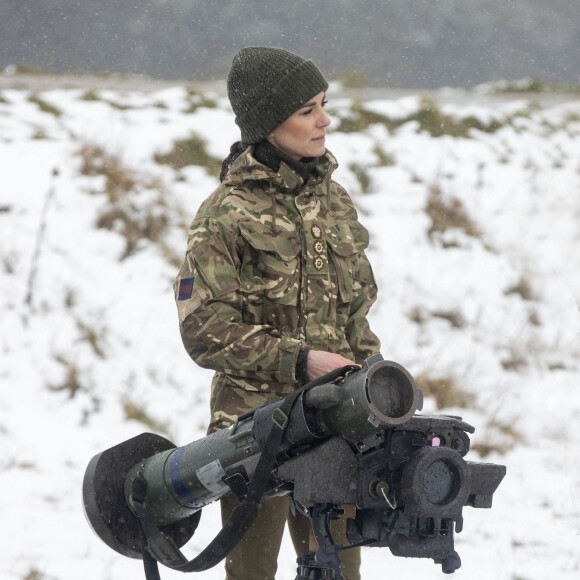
point(235, 151)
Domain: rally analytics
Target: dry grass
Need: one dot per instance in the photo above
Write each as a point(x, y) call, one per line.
point(197, 100)
point(497, 437)
point(359, 119)
point(34, 574)
point(446, 213)
point(433, 121)
point(429, 118)
point(522, 288)
point(138, 413)
point(419, 315)
point(352, 78)
point(71, 383)
point(134, 225)
point(515, 361)
point(362, 175)
point(119, 180)
point(384, 159)
point(445, 390)
point(137, 207)
point(192, 151)
point(454, 317)
point(92, 337)
point(44, 106)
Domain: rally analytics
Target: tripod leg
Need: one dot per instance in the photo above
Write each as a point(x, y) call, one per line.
point(325, 563)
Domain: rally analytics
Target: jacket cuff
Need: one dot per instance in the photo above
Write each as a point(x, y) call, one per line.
point(301, 370)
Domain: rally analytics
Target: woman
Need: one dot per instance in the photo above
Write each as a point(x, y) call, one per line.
point(275, 287)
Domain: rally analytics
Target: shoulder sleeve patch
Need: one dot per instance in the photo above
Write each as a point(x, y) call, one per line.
point(185, 289)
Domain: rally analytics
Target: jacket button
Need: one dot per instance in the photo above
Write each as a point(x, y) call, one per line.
point(318, 263)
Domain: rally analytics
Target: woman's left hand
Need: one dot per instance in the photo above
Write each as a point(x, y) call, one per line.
point(320, 363)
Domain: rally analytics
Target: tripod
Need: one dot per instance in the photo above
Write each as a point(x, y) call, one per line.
point(325, 563)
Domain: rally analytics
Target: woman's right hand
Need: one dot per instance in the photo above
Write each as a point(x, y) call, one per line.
point(319, 363)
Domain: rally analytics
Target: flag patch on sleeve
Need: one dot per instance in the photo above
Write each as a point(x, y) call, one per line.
point(185, 288)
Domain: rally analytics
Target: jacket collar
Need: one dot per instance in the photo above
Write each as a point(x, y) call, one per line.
point(247, 168)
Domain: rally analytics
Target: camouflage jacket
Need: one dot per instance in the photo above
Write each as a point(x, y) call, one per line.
point(272, 263)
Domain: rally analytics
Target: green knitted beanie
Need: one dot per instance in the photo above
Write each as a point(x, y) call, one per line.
point(267, 85)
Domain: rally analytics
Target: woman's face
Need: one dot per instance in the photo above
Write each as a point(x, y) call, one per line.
point(303, 134)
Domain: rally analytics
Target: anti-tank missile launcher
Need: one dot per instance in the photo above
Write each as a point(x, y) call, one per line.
point(352, 438)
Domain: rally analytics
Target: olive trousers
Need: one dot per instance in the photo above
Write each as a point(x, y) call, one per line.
point(255, 557)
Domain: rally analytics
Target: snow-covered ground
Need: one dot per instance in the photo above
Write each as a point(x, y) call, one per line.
point(90, 353)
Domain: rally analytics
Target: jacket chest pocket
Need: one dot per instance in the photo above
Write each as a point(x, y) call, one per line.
point(269, 266)
point(346, 240)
